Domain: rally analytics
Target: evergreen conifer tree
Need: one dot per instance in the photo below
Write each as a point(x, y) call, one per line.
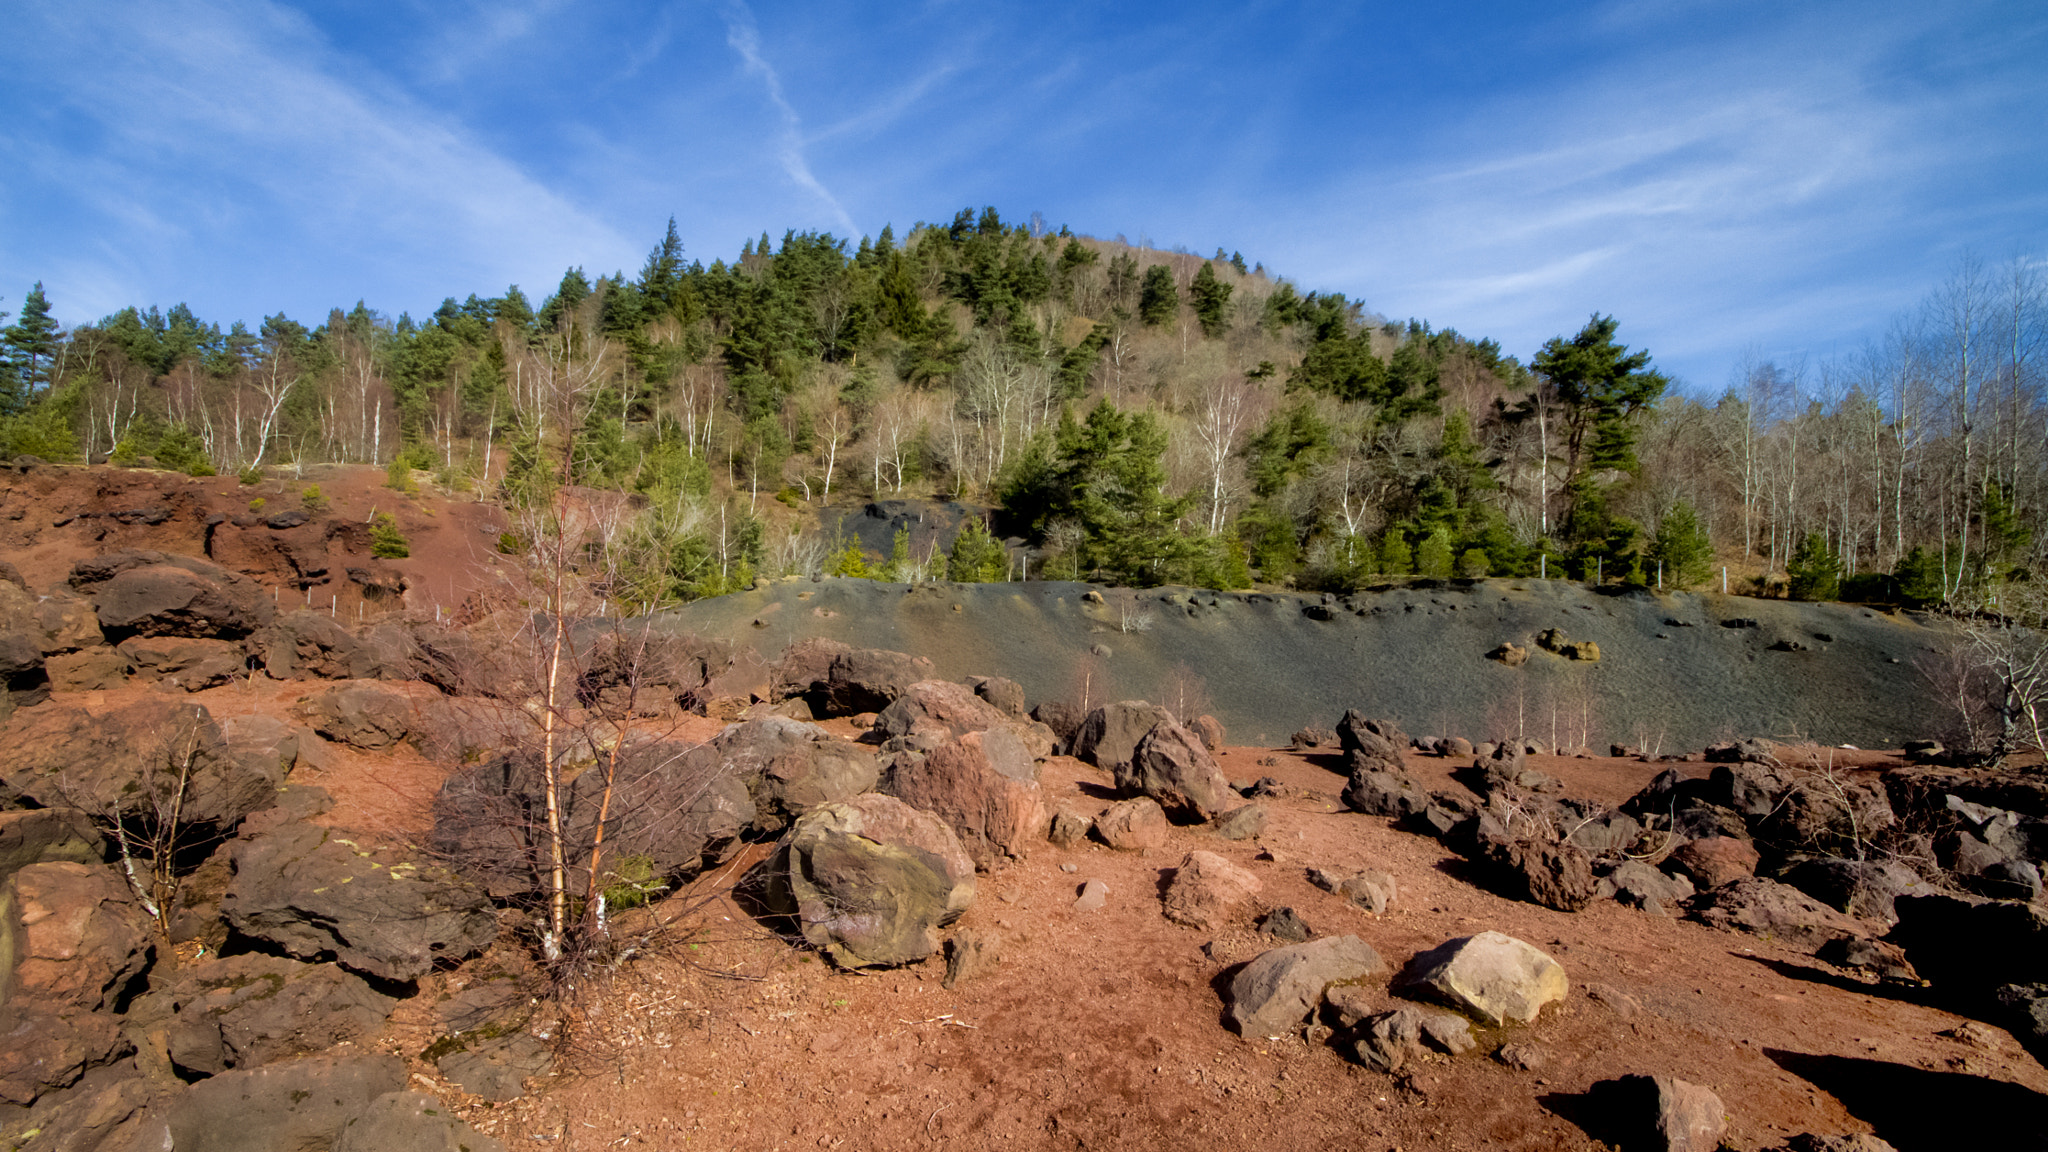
point(1158, 299)
point(1211, 299)
point(32, 351)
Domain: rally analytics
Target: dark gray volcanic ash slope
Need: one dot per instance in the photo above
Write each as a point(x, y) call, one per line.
point(1676, 670)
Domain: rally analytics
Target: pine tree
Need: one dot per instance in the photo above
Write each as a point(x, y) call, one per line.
point(32, 346)
point(1682, 546)
point(1816, 572)
point(977, 556)
point(1158, 299)
point(1211, 299)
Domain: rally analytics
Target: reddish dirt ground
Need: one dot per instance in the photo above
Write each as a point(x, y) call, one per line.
point(1106, 1029)
point(1100, 1029)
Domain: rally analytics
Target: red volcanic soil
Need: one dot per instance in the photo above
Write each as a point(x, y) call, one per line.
point(1106, 1029)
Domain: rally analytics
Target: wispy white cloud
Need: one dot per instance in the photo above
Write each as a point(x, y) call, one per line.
point(1709, 198)
point(236, 117)
point(743, 35)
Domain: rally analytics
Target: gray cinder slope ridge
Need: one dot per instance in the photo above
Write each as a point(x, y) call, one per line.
point(1675, 669)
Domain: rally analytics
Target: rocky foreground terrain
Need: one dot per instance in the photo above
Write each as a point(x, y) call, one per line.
point(272, 878)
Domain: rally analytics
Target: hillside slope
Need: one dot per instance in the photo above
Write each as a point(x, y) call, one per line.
point(1670, 672)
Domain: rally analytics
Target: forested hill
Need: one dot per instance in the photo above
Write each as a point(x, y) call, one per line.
point(1131, 415)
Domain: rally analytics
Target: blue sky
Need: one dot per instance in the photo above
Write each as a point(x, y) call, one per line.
point(1726, 178)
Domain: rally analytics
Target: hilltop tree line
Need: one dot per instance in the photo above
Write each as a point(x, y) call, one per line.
point(1127, 414)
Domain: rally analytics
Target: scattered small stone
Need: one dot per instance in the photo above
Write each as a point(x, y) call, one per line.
point(1613, 999)
point(1070, 867)
point(1521, 1057)
point(1094, 894)
point(1243, 823)
point(1285, 924)
point(970, 955)
point(1372, 891)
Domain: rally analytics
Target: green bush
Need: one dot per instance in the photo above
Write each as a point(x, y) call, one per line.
point(512, 544)
point(977, 556)
point(250, 477)
point(313, 499)
point(386, 541)
point(256, 505)
point(398, 477)
point(630, 882)
point(850, 561)
point(1815, 571)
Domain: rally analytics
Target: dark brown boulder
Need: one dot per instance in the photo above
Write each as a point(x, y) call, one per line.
point(140, 593)
point(931, 711)
point(983, 785)
point(313, 891)
point(871, 880)
point(129, 760)
point(1362, 737)
point(254, 1009)
point(1171, 766)
point(83, 938)
point(1109, 737)
point(1773, 911)
point(361, 713)
point(790, 767)
point(183, 662)
point(1554, 875)
point(306, 645)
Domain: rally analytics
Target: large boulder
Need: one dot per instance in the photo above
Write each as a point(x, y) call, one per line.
point(1968, 948)
point(1365, 740)
point(410, 1122)
point(83, 938)
point(1208, 891)
point(930, 711)
point(306, 645)
point(1556, 876)
point(141, 593)
point(298, 1104)
point(143, 760)
point(102, 1112)
point(183, 662)
point(1863, 888)
point(671, 806)
point(314, 892)
point(1712, 861)
point(1776, 912)
point(34, 835)
point(361, 713)
point(871, 880)
point(791, 767)
point(1382, 792)
point(984, 785)
point(1133, 825)
point(1639, 885)
point(1274, 993)
point(1493, 977)
point(43, 1048)
point(1801, 809)
point(1109, 737)
point(866, 680)
point(255, 1009)
point(1171, 766)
